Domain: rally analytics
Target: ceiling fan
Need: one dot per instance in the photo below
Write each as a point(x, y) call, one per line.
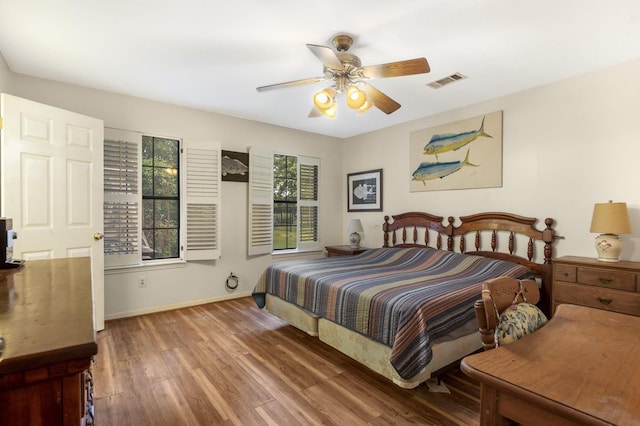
point(350, 77)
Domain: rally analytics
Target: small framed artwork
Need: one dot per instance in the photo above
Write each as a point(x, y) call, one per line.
point(235, 166)
point(364, 191)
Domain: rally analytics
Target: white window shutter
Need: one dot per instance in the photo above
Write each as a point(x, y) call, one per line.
point(202, 201)
point(308, 205)
point(122, 197)
point(260, 202)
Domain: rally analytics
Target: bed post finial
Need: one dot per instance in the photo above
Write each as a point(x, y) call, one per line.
point(450, 219)
point(548, 235)
point(385, 229)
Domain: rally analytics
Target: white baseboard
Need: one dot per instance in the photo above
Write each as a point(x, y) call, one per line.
point(172, 306)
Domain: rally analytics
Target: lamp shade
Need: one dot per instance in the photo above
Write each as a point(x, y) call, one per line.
point(355, 226)
point(610, 218)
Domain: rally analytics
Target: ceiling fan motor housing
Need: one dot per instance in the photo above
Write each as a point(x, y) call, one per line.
point(342, 42)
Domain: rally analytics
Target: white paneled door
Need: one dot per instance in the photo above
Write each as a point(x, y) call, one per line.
point(51, 185)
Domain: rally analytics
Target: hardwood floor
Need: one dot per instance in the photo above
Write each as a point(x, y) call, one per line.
point(230, 363)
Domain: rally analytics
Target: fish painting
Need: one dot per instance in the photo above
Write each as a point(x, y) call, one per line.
point(233, 166)
point(453, 141)
point(430, 171)
point(364, 192)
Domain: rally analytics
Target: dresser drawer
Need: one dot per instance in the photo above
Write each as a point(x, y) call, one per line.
point(597, 297)
point(607, 278)
point(564, 273)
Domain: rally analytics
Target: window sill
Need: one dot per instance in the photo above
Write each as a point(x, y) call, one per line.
point(149, 265)
point(296, 253)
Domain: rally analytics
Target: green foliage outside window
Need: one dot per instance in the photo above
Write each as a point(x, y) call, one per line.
point(285, 205)
point(160, 198)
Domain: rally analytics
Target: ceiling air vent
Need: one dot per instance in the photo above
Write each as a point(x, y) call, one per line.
point(446, 80)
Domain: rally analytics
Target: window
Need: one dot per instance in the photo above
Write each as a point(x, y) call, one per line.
point(283, 202)
point(162, 199)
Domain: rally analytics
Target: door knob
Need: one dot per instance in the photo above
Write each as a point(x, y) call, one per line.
point(98, 236)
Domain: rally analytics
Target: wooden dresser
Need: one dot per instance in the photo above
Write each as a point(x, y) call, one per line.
point(46, 322)
point(612, 286)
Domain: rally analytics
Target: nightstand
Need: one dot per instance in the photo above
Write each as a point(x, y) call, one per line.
point(333, 251)
point(612, 286)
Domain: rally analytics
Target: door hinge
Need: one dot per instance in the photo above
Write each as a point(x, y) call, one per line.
point(1, 123)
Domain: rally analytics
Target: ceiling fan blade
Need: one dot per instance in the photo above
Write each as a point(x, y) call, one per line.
point(315, 112)
point(381, 101)
point(397, 69)
point(327, 56)
point(291, 83)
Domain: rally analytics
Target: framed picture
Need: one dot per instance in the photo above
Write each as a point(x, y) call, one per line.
point(364, 191)
point(465, 154)
point(235, 166)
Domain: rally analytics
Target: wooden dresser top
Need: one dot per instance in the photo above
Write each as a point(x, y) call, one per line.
point(46, 313)
point(582, 365)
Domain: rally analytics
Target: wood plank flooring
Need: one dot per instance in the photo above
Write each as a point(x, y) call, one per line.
point(230, 363)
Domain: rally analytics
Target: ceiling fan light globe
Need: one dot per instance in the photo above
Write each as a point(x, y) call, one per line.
point(329, 112)
point(324, 99)
point(356, 98)
point(365, 106)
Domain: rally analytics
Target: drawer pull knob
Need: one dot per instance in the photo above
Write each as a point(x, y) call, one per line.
point(606, 280)
point(604, 301)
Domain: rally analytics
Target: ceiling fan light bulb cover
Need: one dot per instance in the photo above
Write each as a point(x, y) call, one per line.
point(356, 98)
point(329, 112)
point(365, 106)
point(324, 99)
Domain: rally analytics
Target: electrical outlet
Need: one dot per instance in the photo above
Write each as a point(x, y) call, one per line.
point(142, 282)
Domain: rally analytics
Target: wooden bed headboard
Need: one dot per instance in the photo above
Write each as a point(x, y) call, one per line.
point(496, 235)
point(415, 231)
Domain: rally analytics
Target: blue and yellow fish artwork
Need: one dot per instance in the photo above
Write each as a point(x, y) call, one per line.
point(453, 141)
point(430, 171)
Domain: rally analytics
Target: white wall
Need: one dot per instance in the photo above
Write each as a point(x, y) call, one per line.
point(5, 75)
point(196, 282)
point(566, 146)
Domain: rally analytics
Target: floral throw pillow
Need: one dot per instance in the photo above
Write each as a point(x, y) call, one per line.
point(517, 321)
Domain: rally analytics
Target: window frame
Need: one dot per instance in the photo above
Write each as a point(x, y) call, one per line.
point(261, 204)
point(288, 202)
point(199, 198)
point(154, 198)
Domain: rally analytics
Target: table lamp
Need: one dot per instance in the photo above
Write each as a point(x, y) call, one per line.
point(609, 220)
point(355, 226)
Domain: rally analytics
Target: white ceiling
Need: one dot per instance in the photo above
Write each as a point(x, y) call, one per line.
point(211, 55)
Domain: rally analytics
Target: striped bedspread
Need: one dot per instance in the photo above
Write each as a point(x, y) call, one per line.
point(402, 297)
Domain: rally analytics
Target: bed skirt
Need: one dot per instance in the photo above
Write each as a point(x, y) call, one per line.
point(366, 351)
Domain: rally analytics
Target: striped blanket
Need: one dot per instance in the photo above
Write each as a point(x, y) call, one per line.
point(404, 298)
